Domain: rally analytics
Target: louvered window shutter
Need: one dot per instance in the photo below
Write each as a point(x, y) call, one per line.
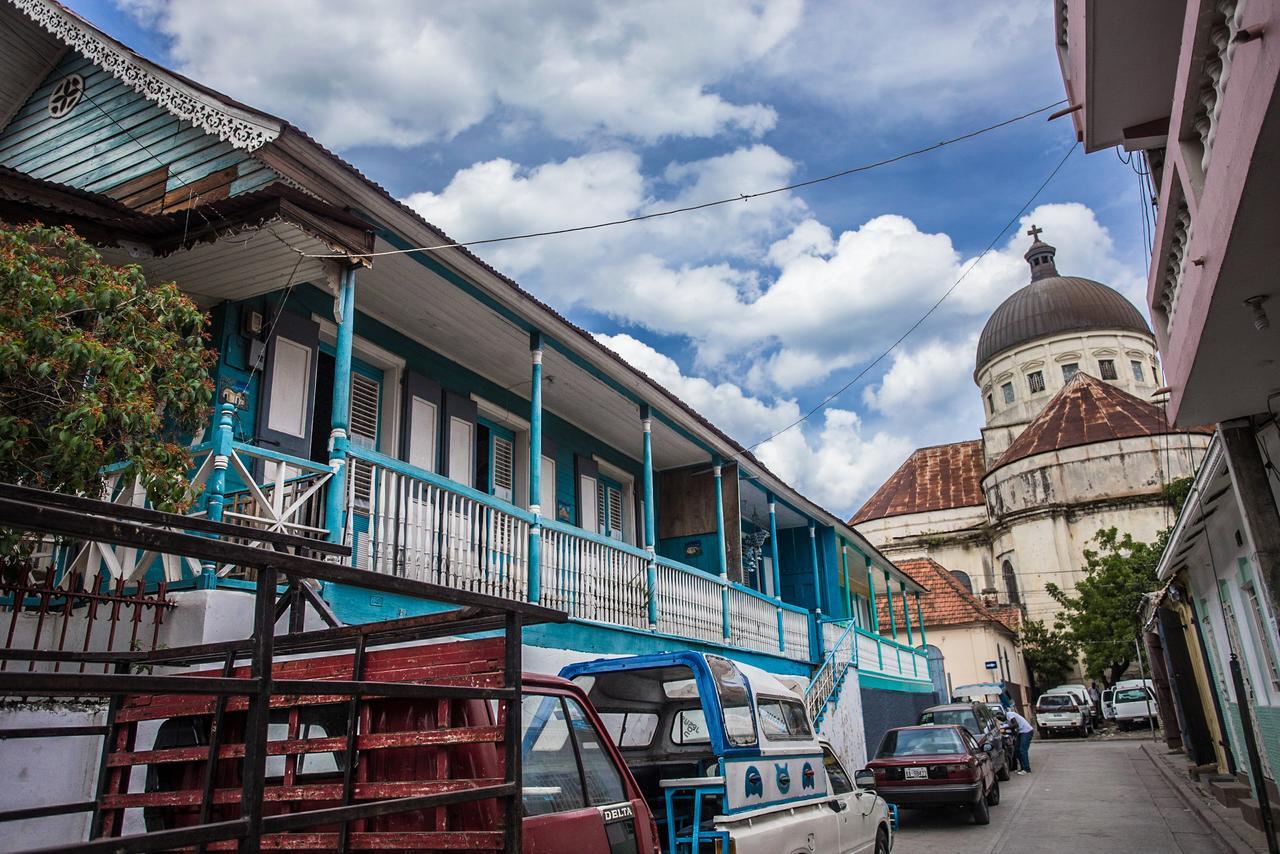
point(615, 512)
point(365, 394)
point(503, 468)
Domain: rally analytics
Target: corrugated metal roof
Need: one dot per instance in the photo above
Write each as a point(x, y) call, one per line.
point(936, 478)
point(1052, 305)
point(1084, 411)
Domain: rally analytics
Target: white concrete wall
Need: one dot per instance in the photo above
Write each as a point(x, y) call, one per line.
point(43, 771)
point(843, 725)
point(967, 648)
point(1048, 355)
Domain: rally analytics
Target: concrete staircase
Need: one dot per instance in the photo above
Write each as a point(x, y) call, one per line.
point(1237, 793)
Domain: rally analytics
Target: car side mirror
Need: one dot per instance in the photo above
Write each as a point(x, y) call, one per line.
point(989, 746)
point(865, 779)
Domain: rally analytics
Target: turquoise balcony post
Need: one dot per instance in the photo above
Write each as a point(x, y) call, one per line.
point(650, 529)
point(721, 554)
point(777, 564)
point(871, 589)
point(216, 485)
point(817, 573)
point(920, 619)
point(906, 612)
point(535, 468)
point(893, 620)
point(340, 420)
point(848, 582)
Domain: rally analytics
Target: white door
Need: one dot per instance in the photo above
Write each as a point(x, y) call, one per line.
point(423, 420)
point(547, 488)
point(461, 439)
point(589, 508)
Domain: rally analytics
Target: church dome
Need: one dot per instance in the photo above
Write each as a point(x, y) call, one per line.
point(1053, 304)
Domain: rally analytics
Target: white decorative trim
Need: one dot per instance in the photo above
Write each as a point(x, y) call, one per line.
point(715, 470)
point(647, 423)
point(537, 356)
point(237, 127)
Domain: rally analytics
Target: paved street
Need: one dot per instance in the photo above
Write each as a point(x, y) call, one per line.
point(1102, 796)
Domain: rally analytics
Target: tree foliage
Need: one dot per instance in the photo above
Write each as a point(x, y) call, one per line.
point(97, 367)
point(1048, 652)
point(1101, 618)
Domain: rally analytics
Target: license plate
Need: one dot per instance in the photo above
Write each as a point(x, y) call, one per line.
point(916, 773)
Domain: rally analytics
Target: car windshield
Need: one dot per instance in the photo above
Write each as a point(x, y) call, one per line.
point(920, 742)
point(1131, 695)
point(959, 717)
point(1055, 701)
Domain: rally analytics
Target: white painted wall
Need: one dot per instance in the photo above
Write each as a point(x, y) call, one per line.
point(43, 771)
point(843, 725)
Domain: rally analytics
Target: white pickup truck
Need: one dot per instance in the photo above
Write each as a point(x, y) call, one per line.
point(727, 758)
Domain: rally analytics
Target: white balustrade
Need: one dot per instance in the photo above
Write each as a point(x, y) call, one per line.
point(412, 526)
point(795, 634)
point(689, 603)
point(753, 621)
point(593, 578)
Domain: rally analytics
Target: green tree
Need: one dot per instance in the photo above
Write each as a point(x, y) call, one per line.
point(1048, 652)
point(96, 367)
point(1101, 618)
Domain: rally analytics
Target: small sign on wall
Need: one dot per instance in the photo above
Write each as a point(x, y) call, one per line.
point(992, 665)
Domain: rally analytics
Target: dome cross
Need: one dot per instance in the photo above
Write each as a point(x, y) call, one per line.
point(1035, 231)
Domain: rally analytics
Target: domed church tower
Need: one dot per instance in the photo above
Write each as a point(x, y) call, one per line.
point(1073, 443)
point(1048, 331)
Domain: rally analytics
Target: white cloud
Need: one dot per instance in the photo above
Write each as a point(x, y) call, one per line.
point(402, 72)
point(830, 459)
point(925, 61)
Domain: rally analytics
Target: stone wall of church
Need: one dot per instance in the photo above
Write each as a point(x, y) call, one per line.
point(956, 538)
point(1049, 356)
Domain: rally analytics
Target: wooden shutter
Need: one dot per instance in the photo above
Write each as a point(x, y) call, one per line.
point(286, 404)
point(586, 473)
point(503, 463)
point(420, 428)
point(366, 393)
point(459, 438)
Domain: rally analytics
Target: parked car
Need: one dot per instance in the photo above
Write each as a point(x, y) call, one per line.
point(578, 794)
point(1134, 706)
point(981, 723)
point(934, 766)
point(1108, 707)
point(698, 729)
point(1061, 712)
point(1081, 693)
point(1009, 731)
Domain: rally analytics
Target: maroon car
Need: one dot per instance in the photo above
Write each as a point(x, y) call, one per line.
point(932, 766)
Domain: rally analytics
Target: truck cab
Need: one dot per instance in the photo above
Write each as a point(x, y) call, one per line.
point(726, 758)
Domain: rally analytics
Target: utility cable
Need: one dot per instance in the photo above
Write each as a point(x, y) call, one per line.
point(878, 359)
point(741, 197)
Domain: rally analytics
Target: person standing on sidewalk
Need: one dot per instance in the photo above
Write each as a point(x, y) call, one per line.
point(1025, 731)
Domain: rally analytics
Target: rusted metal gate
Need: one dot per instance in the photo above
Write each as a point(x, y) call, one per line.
point(234, 803)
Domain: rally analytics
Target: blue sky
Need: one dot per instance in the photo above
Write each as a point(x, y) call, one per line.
point(493, 118)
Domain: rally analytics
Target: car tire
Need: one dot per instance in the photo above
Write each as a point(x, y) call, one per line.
point(993, 796)
point(882, 841)
point(1003, 773)
point(1083, 731)
point(981, 812)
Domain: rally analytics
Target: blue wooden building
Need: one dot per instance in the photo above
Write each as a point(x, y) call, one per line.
point(421, 406)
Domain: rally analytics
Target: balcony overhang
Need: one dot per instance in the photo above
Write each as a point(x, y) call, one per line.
point(1119, 60)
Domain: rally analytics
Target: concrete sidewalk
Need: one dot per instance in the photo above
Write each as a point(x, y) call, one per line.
point(1084, 795)
point(1234, 833)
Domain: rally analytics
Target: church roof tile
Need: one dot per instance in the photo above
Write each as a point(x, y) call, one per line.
point(946, 602)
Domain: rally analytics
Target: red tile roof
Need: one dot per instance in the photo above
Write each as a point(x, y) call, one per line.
point(1084, 411)
point(936, 478)
point(946, 602)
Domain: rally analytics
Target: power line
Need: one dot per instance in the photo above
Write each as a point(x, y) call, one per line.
point(878, 359)
point(741, 197)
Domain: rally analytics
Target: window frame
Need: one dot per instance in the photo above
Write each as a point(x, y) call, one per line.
point(1010, 395)
point(1035, 382)
point(1106, 366)
point(1073, 367)
point(1139, 376)
point(782, 703)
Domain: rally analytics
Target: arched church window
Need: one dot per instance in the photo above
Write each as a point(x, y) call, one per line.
point(963, 578)
point(1011, 583)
